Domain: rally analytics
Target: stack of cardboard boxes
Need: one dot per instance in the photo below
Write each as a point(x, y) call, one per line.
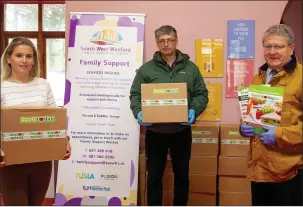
point(142, 170)
point(142, 180)
point(209, 175)
point(234, 188)
point(202, 169)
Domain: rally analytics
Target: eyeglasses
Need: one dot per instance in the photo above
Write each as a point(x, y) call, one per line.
point(169, 41)
point(276, 47)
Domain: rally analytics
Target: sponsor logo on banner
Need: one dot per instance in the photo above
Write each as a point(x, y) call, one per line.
point(109, 43)
point(109, 177)
point(96, 188)
point(85, 176)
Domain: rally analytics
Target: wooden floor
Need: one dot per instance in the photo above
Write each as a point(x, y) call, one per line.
point(47, 202)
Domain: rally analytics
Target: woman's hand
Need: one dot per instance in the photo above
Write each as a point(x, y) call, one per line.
point(2, 164)
point(68, 150)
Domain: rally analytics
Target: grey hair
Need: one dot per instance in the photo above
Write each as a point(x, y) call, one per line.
point(166, 30)
point(281, 30)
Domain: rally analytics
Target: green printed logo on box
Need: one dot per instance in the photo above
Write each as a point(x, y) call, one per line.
point(16, 136)
point(165, 91)
point(36, 135)
point(233, 133)
point(37, 119)
point(51, 134)
point(202, 132)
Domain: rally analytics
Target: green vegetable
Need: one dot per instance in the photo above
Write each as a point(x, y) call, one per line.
point(267, 109)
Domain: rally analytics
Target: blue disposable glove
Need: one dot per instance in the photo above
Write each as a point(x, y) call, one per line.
point(191, 117)
point(246, 130)
point(139, 119)
point(269, 137)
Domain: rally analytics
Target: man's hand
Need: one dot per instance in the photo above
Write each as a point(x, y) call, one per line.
point(2, 164)
point(269, 137)
point(139, 119)
point(191, 117)
point(246, 130)
point(68, 150)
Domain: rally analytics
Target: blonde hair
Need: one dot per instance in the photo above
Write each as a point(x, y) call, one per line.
point(6, 70)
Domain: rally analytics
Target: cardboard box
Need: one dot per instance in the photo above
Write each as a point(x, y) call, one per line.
point(205, 139)
point(164, 103)
point(142, 181)
point(236, 166)
point(197, 183)
point(202, 199)
point(202, 183)
point(232, 144)
point(142, 162)
point(194, 199)
point(168, 197)
point(206, 165)
point(142, 138)
point(33, 134)
point(141, 201)
point(168, 182)
point(142, 143)
point(234, 199)
point(234, 184)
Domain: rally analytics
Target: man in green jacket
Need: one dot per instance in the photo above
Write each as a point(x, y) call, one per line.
point(169, 65)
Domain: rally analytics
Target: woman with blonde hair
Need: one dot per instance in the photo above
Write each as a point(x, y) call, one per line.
point(21, 85)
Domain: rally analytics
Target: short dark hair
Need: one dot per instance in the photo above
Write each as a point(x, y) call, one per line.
point(165, 30)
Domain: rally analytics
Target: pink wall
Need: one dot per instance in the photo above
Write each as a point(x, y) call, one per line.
point(193, 20)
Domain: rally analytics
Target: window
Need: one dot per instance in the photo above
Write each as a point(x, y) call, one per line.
point(44, 24)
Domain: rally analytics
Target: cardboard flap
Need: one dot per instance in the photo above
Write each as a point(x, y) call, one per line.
point(16, 119)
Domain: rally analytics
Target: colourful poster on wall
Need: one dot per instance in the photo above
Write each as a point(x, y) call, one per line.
point(241, 39)
point(209, 57)
point(213, 111)
point(239, 73)
point(105, 49)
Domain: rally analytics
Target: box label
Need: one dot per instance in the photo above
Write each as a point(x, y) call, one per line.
point(235, 133)
point(15, 136)
point(205, 140)
point(166, 91)
point(164, 102)
point(37, 119)
point(201, 132)
point(235, 141)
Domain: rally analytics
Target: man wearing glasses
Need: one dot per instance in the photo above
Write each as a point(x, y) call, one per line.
point(169, 65)
point(275, 157)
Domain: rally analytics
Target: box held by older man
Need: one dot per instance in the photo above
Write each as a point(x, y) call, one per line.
point(164, 103)
point(33, 134)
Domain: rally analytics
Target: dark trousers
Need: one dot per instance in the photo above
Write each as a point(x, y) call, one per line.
point(157, 146)
point(25, 184)
point(288, 193)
